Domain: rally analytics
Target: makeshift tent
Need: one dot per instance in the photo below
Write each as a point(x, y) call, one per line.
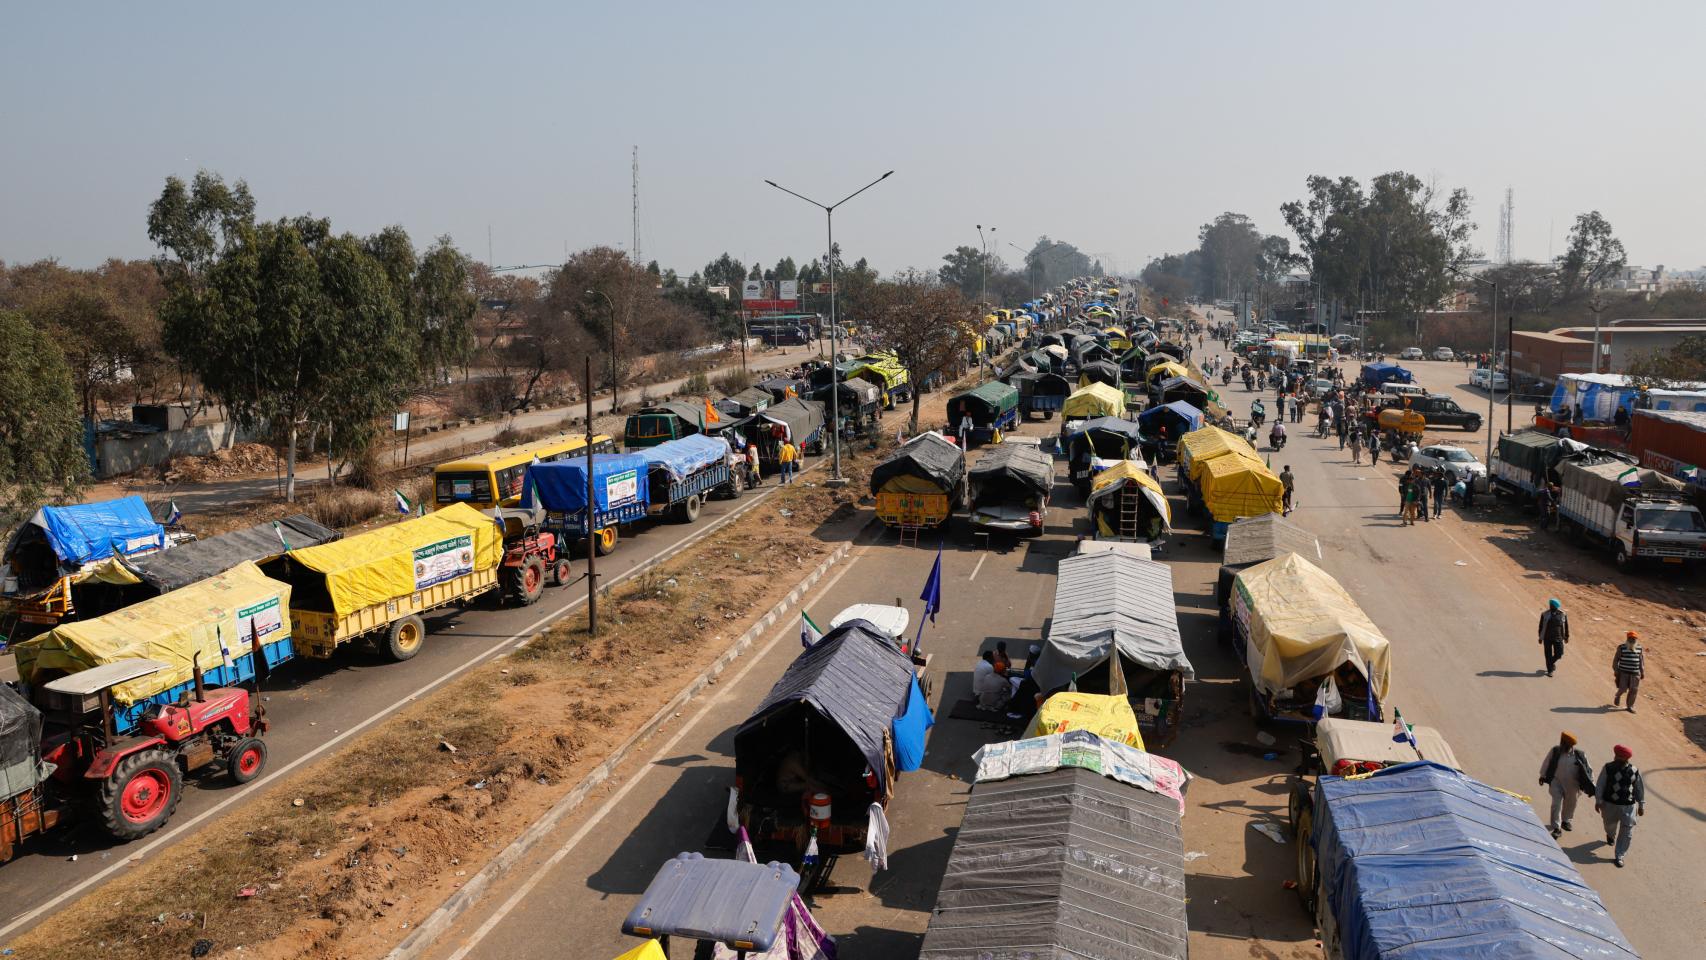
point(1010, 470)
point(1110, 502)
point(1375, 374)
point(987, 404)
point(1198, 447)
point(60, 540)
point(1103, 601)
point(1178, 417)
point(858, 395)
point(1108, 716)
point(746, 403)
point(729, 901)
point(1421, 861)
point(217, 618)
point(20, 743)
point(1614, 481)
point(831, 715)
point(1236, 486)
point(1302, 625)
point(779, 388)
point(1067, 863)
point(1110, 438)
point(1165, 369)
point(197, 560)
point(1186, 389)
point(1528, 456)
point(1095, 400)
point(928, 463)
point(1099, 371)
point(618, 479)
point(1253, 540)
point(1086, 349)
point(405, 557)
point(800, 418)
point(1364, 741)
point(679, 458)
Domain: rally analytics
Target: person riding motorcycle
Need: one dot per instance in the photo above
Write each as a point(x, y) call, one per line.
point(1226, 376)
point(1276, 436)
point(1258, 413)
point(1249, 379)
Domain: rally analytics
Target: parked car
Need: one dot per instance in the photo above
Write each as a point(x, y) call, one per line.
point(1439, 411)
point(1458, 462)
point(1444, 353)
point(1410, 353)
point(1478, 378)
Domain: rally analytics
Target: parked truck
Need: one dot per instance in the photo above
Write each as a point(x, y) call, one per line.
point(1638, 513)
point(1526, 460)
point(682, 474)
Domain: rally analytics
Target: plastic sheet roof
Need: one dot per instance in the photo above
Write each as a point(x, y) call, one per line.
point(1104, 600)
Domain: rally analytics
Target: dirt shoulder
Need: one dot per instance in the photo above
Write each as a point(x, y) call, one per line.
point(344, 858)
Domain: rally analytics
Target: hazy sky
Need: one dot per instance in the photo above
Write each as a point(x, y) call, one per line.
point(1118, 126)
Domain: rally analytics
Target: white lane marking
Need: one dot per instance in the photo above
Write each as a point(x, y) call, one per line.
point(725, 688)
point(979, 566)
point(514, 640)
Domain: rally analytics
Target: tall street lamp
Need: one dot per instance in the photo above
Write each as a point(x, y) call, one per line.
point(613, 397)
point(1492, 360)
point(835, 479)
point(983, 266)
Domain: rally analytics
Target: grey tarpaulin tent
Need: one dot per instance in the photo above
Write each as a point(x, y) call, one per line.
point(20, 743)
point(1105, 600)
point(193, 562)
point(803, 418)
point(1065, 864)
point(930, 457)
point(1012, 467)
point(1253, 540)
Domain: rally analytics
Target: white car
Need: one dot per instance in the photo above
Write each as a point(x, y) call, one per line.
point(1444, 353)
point(1478, 378)
point(1410, 353)
point(1458, 462)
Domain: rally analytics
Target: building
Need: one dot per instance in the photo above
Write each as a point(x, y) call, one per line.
point(1544, 356)
point(1634, 338)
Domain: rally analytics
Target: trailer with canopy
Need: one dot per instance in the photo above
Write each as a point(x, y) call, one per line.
point(1097, 444)
point(921, 484)
point(1236, 486)
point(1009, 489)
point(1126, 503)
point(1163, 426)
point(980, 414)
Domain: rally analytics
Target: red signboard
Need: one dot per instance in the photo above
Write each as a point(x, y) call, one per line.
point(769, 304)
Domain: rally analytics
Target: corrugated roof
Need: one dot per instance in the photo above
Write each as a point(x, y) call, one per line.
point(1693, 419)
point(1103, 599)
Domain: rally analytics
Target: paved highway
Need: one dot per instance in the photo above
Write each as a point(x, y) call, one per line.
point(1461, 622)
point(316, 706)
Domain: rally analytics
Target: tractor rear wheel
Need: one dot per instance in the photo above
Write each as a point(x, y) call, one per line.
point(525, 583)
point(404, 639)
point(245, 760)
point(140, 795)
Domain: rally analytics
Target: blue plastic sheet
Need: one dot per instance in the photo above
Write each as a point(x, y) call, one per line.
point(1422, 862)
point(685, 457)
point(618, 479)
point(909, 730)
point(1379, 373)
point(91, 531)
point(1179, 408)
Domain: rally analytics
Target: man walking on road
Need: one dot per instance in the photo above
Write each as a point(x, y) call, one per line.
point(1356, 446)
point(1628, 667)
point(1554, 633)
point(1619, 797)
point(1439, 485)
point(1289, 483)
point(1565, 773)
point(786, 457)
point(1422, 487)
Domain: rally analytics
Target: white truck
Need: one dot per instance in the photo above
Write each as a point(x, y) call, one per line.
point(1639, 514)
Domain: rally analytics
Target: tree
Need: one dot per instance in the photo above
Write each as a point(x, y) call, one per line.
point(966, 270)
point(1684, 363)
point(725, 271)
point(1230, 249)
point(1172, 277)
point(927, 324)
point(440, 308)
point(41, 438)
point(1592, 257)
point(1056, 262)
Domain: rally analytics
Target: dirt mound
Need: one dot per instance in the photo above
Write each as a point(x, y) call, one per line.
point(243, 459)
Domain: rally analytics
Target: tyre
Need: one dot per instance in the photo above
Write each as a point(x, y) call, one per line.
point(246, 759)
point(524, 584)
point(141, 794)
point(404, 639)
point(1624, 561)
point(1303, 832)
point(606, 540)
point(559, 572)
point(690, 508)
point(1473, 426)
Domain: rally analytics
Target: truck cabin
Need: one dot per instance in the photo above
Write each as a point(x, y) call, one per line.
point(1663, 516)
point(662, 423)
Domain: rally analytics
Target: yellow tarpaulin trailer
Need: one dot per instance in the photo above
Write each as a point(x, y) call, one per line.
point(1111, 482)
point(1200, 446)
point(1108, 716)
point(1235, 486)
point(1166, 370)
point(377, 580)
point(219, 619)
point(1302, 625)
point(1095, 400)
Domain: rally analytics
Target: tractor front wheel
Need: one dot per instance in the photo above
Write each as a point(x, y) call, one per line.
point(245, 760)
point(404, 639)
point(140, 795)
point(560, 573)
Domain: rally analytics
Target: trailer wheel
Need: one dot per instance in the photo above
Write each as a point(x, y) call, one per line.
point(245, 760)
point(404, 638)
point(1304, 831)
point(606, 540)
point(525, 583)
point(141, 794)
point(560, 572)
point(690, 508)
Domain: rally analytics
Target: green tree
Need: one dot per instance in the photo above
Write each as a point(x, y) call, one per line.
point(724, 271)
point(966, 270)
point(41, 437)
point(1684, 363)
point(927, 324)
point(785, 269)
point(1592, 257)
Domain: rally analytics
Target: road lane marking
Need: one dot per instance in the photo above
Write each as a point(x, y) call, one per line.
point(979, 566)
point(503, 646)
point(725, 688)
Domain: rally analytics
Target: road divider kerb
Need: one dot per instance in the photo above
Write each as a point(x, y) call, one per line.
point(426, 934)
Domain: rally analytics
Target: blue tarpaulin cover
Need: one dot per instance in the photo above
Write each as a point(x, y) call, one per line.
point(909, 729)
point(1379, 373)
point(618, 479)
point(686, 456)
point(1179, 408)
point(89, 531)
point(1422, 862)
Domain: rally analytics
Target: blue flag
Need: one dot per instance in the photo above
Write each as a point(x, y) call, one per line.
point(932, 595)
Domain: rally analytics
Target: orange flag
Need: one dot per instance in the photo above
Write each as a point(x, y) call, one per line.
point(711, 412)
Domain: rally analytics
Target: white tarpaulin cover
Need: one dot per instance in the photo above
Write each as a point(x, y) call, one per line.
point(1104, 599)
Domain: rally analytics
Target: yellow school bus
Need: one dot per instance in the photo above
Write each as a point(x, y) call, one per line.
point(494, 479)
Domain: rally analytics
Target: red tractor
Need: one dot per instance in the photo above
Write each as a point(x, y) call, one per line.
point(532, 558)
point(132, 781)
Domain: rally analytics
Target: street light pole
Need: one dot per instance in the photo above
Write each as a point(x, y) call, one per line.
point(612, 306)
point(835, 479)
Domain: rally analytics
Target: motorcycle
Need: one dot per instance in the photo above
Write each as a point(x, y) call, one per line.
point(1276, 440)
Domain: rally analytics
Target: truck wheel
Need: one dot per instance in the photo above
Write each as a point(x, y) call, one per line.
point(245, 760)
point(404, 639)
point(141, 794)
point(525, 583)
point(560, 572)
point(690, 508)
point(1625, 562)
point(606, 540)
point(1304, 831)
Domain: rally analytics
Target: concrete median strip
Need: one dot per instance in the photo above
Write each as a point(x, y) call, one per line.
point(426, 934)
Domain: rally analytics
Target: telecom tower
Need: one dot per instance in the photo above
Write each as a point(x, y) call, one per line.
point(636, 246)
point(1507, 227)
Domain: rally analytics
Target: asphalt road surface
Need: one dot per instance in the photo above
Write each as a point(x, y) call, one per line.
point(317, 705)
point(1461, 622)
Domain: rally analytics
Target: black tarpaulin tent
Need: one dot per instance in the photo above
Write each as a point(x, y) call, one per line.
point(929, 457)
point(1065, 864)
point(1012, 467)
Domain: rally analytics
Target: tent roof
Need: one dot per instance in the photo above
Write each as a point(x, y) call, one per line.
point(1022, 461)
point(1422, 861)
point(81, 532)
point(1066, 863)
point(801, 417)
point(1104, 599)
point(188, 563)
point(686, 455)
point(995, 395)
point(1255, 539)
point(1179, 408)
point(1303, 625)
point(855, 677)
point(724, 900)
point(929, 456)
point(1096, 399)
point(1116, 425)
